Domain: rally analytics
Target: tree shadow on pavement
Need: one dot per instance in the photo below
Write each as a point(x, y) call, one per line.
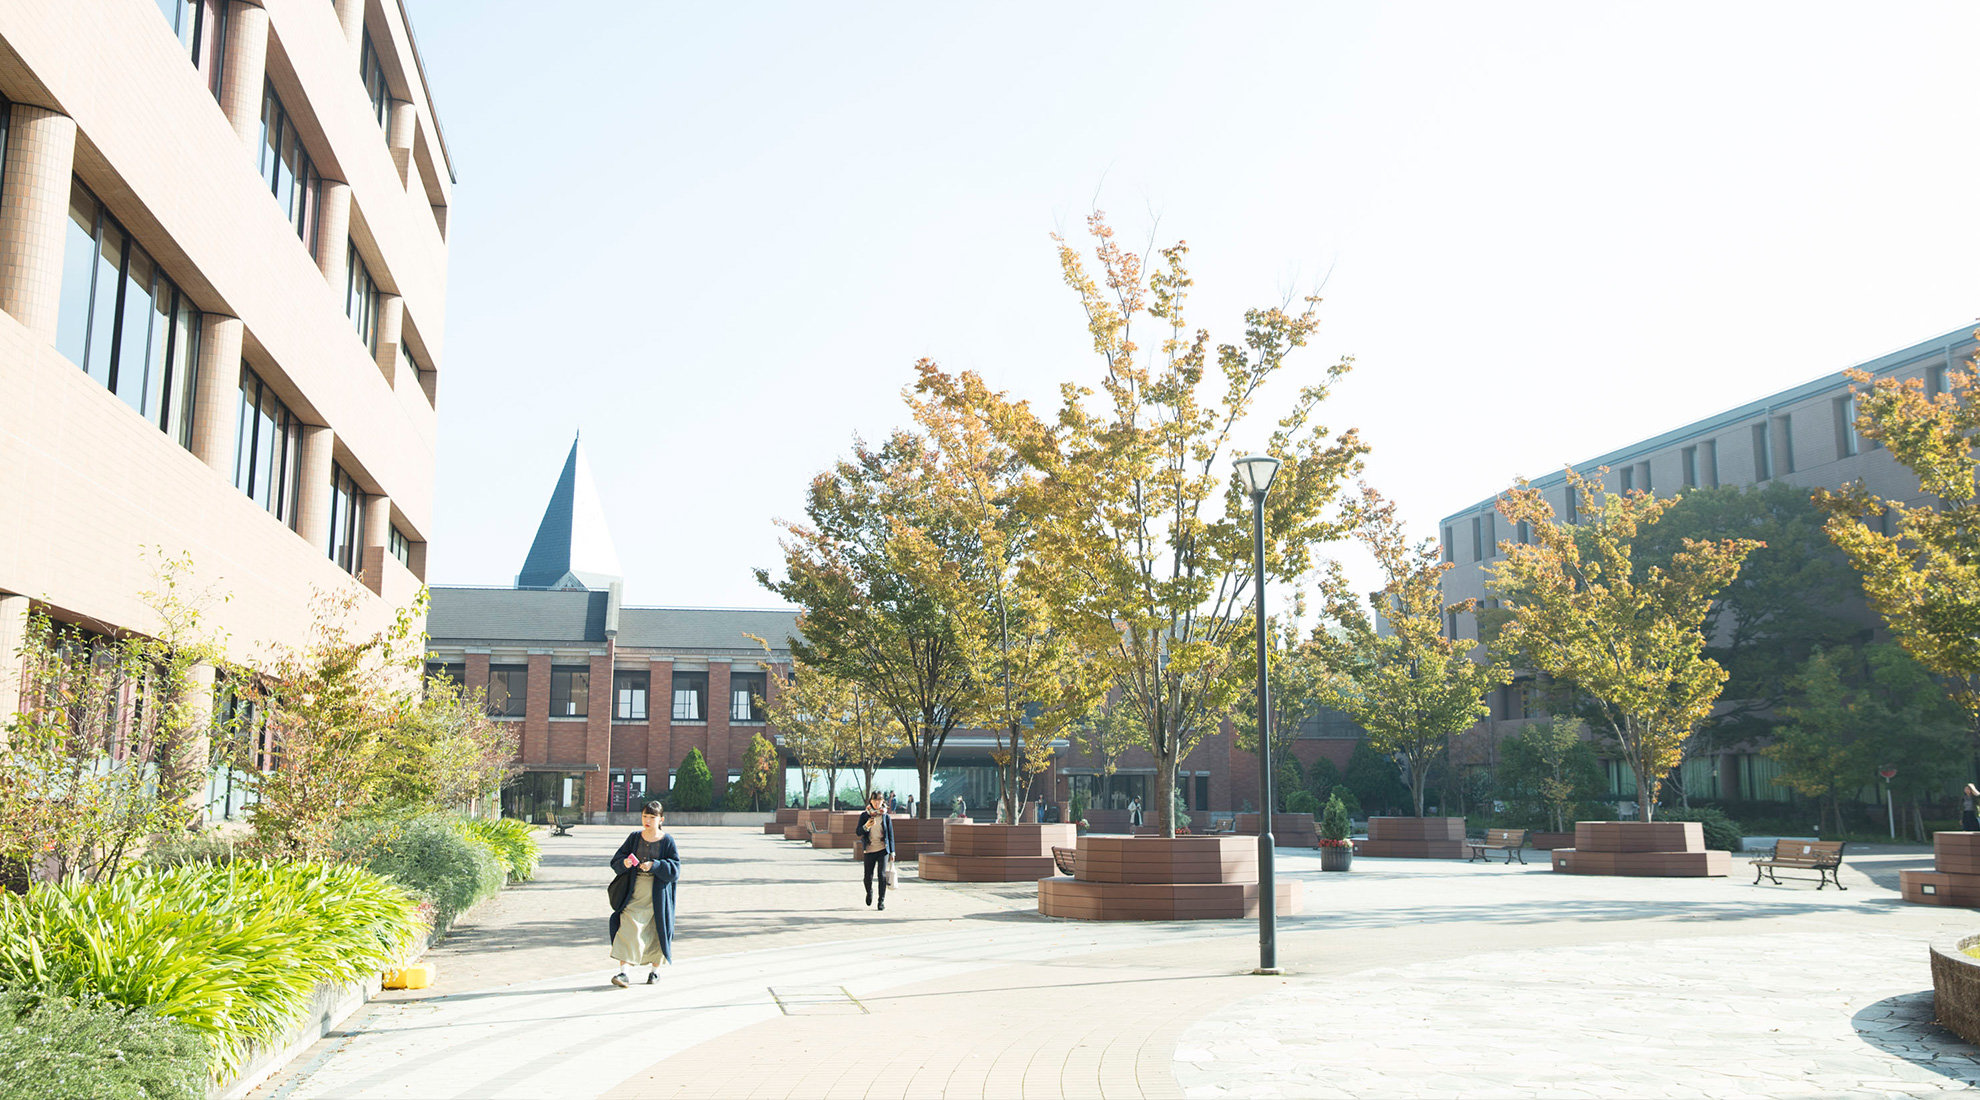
point(1903, 1027)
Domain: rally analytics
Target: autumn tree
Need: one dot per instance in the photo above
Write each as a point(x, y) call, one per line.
point(1391, 666)
point(1143, 530)
point(442, 750)
point(1546, 771)
point(1924, 575)
point(1296, 675)
point(1633, 644)
point(866, 617)
point(759, 771)
point(807, 713)
point(1032, 674)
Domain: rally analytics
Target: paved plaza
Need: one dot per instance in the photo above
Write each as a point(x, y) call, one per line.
point(1407, 978)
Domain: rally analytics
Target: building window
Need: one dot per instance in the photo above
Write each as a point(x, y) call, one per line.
point(400, 546)
point(690, 696)
point(267, 449)
point(1784, 439)
point(1710, 455)
point(1524, 533)
point(1450, 546)
point(629, 696)
point(1643, 478)
point(1935, 380)
point(745, 688)
point(361, 300)
point(1846, 441)
point(570, 693)
point(1450, 625)
point(6, 123)
point(1573, 504)
point(1763, 450)
point(373, 75)
point(1628, 478)
point(508, 690)
point(1688, 465)
point(288, 171)
point(455, 674)
point(202, 29)
point(346, 521)
point(124, 322)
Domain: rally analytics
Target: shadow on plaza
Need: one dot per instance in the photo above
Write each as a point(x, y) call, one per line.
point(1903, 1027)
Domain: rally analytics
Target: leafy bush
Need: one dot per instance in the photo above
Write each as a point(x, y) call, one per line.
point(434, 855)
point(1302, 802)
point(190, 848)
point(513, 842)
point(233, 952)
point(1334, 819)
point(692, 784)
point(94, 1050)
point(735, 800)
point(1721, 832)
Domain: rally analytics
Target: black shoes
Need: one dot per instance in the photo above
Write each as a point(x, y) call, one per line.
point(869, 896)
point(621, 980)
point(654, 977)
point(883, 903)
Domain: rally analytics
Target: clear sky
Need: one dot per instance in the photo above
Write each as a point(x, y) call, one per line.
point(716, 237)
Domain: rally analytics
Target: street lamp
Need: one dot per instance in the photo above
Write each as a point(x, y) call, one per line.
point(1256, 472)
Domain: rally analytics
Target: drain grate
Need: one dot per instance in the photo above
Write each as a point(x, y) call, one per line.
point(816, 1000)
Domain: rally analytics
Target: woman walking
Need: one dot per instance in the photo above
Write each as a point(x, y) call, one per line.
point(876, 832)
point(642, 897)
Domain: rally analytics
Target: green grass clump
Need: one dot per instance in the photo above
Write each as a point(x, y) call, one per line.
point(513, 841)
point(54, 1047)
point(234, 952)
point(434, 855)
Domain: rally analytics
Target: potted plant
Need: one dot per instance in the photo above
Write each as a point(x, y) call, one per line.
point(1336, 850)
point(1078, 808)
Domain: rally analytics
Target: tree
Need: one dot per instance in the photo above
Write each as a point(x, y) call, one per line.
point(1635, 645)
point(442, 750)
point(1924, 576)
point(1143, 531)
point(1032, 675)
point(1853, 710)
point(865, 618)
point(1783, 606)
point(1296, 674)
point(866, 739)
point(693, 785)
point(1374, 780)
point(1411, 687)
point(1547, 770)
point(807, 713)
point(759, 771)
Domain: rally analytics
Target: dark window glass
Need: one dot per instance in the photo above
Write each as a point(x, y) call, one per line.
point(267, 449)
point(744, 690)
point(373, 75)
point(401, 547)
point(570, 693)
point(346, 521)
point(287, 169)
point(629, 695)
point(508, 690)
point(690, 696)
point(122, 321)
point(361, 301)
point(201, 26)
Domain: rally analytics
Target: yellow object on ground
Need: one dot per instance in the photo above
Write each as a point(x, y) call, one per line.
point(416, 976)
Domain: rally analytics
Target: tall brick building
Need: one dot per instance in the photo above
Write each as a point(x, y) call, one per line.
point(223, 252)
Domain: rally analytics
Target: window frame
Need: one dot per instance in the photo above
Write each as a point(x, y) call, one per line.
point(570, 691)
point(698, 682)
point(347, 508)
point(303, 208)
point(276, 482)
point(631, 691)
point(759, 684)
point(515, 703)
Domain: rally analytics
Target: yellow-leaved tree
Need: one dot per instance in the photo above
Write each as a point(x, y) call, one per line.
point(1631, 639)
point(1143, 532)
point(1412, 687)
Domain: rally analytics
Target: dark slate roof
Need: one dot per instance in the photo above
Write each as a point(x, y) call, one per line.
point(520, 616)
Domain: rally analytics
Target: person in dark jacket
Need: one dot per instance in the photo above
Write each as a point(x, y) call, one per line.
point(876, 834)
point(646, 867)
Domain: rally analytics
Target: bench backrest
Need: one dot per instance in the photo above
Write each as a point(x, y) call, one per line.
point(1513, 837)
point(1808, 851)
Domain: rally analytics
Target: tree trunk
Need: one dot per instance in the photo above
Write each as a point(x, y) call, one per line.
point(1165, 794)
point(831, 789)
point(1417, 777)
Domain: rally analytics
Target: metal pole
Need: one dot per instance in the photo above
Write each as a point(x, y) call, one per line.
point(1268, 893)
point(1890, 808)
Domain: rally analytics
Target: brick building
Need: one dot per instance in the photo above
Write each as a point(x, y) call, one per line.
point(223, 249)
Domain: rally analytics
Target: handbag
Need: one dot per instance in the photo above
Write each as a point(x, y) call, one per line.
point(893, 879)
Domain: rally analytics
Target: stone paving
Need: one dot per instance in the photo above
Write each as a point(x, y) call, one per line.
point(1408, 978)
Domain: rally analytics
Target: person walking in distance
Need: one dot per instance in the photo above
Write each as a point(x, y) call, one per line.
point(645, 869)
point(1969, 820)
point(876, 831)
point(1134, 811)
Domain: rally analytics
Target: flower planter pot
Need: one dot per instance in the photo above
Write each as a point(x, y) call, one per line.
point(1336, 859)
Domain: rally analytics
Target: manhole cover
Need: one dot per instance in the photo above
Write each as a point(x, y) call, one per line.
point(816, 1000)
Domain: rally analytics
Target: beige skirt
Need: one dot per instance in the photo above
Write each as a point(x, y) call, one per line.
point(638, 940)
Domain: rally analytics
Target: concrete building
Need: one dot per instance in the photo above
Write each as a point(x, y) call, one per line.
point(223, 258)
point(1803, 436)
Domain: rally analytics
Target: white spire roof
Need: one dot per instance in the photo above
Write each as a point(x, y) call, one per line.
point(573, 547)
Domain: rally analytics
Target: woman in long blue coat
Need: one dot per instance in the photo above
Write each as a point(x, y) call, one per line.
point(642, 895)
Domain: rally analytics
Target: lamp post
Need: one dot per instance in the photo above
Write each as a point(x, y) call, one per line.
point(1256, 472)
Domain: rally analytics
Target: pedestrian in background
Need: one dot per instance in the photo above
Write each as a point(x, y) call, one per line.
point(1969, 820)
point(646, 867)
point(876, 831)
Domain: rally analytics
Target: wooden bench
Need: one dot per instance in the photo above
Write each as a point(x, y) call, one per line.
point(1510, 841)
point(1824, 857)
point(1064, 858)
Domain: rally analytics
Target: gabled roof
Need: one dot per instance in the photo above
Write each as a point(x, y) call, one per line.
point(535, 617)
point(573, 547)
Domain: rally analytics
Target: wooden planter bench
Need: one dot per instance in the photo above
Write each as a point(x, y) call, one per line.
point(1510, 841)
point(1824, 857)
point(1063, 858)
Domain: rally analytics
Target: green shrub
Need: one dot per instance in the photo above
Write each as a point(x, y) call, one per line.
point(233, 952)
point(735, 800)
point(94, 1050)
point(1721, 832)
point(434, 855)
point(513, 841)
point(1302, 802)
point(692, 784)
point(189, 848)
point(1334, 823)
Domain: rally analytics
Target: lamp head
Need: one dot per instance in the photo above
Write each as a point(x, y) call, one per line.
point(1256, 472)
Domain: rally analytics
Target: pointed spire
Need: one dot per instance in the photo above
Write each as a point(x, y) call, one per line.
point(573, 547)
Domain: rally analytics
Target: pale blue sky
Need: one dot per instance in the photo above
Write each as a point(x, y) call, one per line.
point(717, 236)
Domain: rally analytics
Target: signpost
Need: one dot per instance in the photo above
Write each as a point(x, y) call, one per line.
point(1890, 807)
